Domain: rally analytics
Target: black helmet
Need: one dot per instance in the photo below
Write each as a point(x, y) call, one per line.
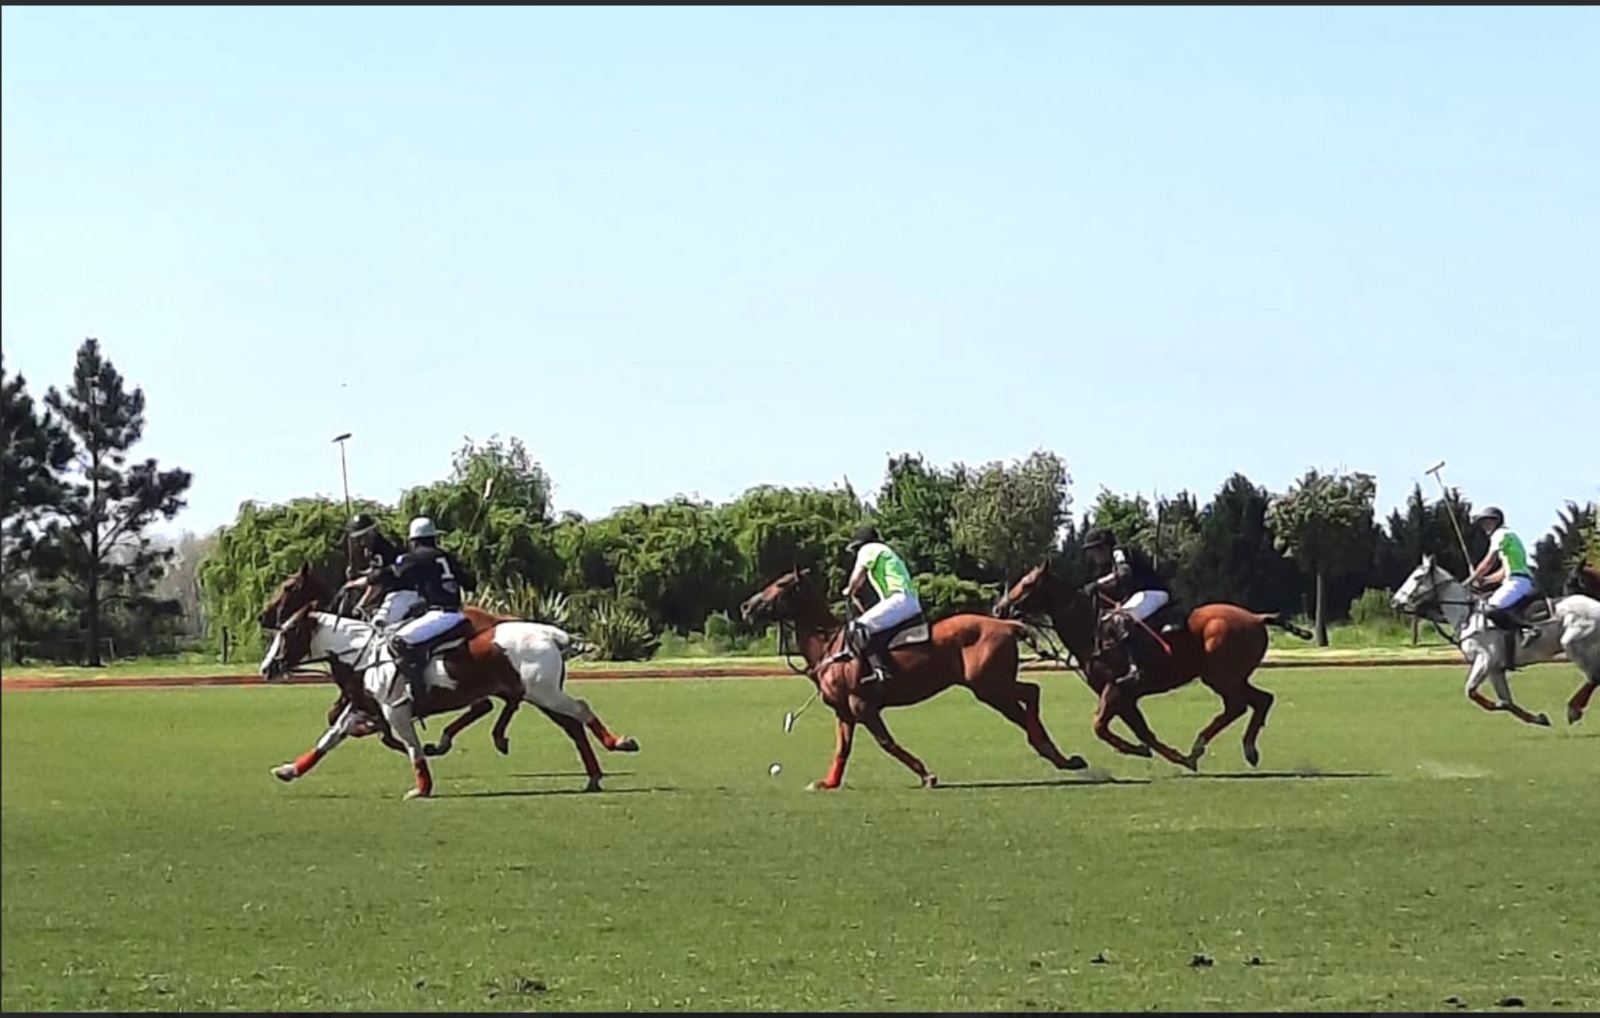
point(1489, 513)
point(361, 524)
point(1099, 537)
point(862, 535)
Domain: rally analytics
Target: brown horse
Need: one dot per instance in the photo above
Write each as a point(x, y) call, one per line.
point(304, 587)
point(971, 650)
point(1221, 644)
point(524, 660)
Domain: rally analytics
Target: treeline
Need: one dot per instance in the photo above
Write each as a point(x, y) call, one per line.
point(682, 566)
point(82, 577)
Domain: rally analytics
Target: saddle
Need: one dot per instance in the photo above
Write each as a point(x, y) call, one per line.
point(1534, 611)
point(912, 632)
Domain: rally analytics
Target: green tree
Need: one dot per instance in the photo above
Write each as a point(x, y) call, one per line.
point(1324, 522)
point(1008, 518)
point(1564, 548)
point(34, 450)
point(915, 514)
point(1130, 520)
point(96, 532)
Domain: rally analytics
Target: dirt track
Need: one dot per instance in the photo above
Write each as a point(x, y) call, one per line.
point(11, 685)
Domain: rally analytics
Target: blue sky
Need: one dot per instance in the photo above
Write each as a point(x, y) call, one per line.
point(693, 250)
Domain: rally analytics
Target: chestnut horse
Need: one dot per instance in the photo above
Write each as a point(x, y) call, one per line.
point(523, 659)
point(1221, 644)
point(971, 650)
point(304, 587)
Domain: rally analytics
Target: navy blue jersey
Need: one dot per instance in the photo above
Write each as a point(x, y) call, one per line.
point(433, 574)
point(1135, 572)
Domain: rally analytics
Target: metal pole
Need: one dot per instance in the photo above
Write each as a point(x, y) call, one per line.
point(1466, 556)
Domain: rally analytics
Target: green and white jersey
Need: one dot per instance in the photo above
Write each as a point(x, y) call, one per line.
point(885, 570)
point(1512, 553)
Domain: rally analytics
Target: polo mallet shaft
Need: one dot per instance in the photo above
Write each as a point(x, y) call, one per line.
point(1449, 511)
point(789, 719)
point(349, 542)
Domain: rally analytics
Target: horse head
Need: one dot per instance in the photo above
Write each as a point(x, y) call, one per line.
point(1043, 592)
point(1423, 588)
point(302, 588)
point(291, 645)
point(785, 599)
point(311, 636)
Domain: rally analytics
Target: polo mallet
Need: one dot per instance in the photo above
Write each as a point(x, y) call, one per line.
point(789, 718)
point(349, 556)
point(488, 486)
point(1466, 556)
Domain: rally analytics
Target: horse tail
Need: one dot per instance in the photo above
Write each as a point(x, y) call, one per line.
point(1277, 619)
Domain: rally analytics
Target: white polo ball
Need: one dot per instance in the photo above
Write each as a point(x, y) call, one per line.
point(775, 769)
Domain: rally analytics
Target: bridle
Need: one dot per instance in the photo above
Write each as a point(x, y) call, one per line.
point(1430, 606)
point(332, 657)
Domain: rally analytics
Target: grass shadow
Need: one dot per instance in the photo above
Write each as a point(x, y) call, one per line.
point(1278, 775)
point(570, 774)
point(1046, 783)
point(517, 793)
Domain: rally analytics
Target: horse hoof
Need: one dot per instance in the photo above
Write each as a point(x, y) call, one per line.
point(593, 785)
point(1190, 763)
point(930, 781)
point(284, 773)
point(431, 750)
point(1573, 715)
point(1252, 756)
point(504, 746)
point(1075, 763)
point(1543, 720)
point(1142, 751)
point(820, 785)
point(415, 793)
point(627, 745)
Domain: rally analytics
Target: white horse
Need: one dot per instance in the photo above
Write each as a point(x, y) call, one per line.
point(1572, 626)
point(518, 661)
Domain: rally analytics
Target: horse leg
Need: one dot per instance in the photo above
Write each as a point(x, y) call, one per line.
point(1103, 713)
point(1033, 723)
point(1582, 647)
point(400, 721)
point(880, 731)
point(841, 755)
point(447, 739)
point(1233, 707)
point(335, 734)
point(1580, 700)
point(501, 742)
point(543, 692)
point(574, 729)
point(1502, 689)
point(1260, 706)
point(1135, 718)
point(1477, 673)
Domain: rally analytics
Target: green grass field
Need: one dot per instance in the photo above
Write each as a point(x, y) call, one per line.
point(1397, 848)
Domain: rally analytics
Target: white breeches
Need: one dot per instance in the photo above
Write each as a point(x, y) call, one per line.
point(396, 607)
point(1510, 591)
point(428, 625)
point(890, 612)
point(1145, 603)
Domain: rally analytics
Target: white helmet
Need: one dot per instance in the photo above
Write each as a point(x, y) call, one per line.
point(421, 527)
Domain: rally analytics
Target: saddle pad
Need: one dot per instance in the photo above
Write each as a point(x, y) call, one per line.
point(918, 632)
